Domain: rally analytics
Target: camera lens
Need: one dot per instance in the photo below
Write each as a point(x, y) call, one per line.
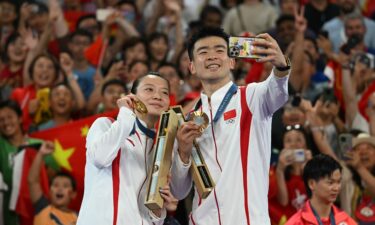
point(343, 139)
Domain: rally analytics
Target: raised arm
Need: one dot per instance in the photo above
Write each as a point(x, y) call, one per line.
point(34, 174)
point(105, 138)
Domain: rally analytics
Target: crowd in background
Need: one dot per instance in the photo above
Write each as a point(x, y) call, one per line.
point(66, 60)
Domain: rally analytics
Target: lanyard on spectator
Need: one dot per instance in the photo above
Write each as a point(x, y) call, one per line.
point(331, 216)
point(228, 96)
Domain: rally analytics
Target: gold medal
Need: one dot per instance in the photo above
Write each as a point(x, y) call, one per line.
point(140, 106)
point(199, 118)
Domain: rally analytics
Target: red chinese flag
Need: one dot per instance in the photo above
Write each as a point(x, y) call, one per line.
point(70, 149)
point(20, 198)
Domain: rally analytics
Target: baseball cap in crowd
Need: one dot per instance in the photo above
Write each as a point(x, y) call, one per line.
point(363, 138)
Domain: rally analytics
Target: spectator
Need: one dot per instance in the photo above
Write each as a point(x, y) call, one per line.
point(14, 57)
point(359, 192)
point(245, 17)
point(136, 69)
point(322, 179)
point(166, 18)
point(287, 7)
point(111, 92)
point(335, 26)
point(62, 104)
point(318, 12)
point(44, 71)
point(78, 42)
point(134, 49)
point(11, 137)
point(291, 192)
point(8, 19)
point(211, 16)
point(62, 192)
point(170, 72)
point(157, 47)
point(89, 23)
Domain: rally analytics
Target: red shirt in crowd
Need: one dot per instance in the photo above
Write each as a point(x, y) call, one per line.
point(305, 216)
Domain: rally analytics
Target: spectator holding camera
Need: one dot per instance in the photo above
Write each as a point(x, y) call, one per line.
point(335, 26)
point(359, 193)
point(322, 179)
point(291, 192)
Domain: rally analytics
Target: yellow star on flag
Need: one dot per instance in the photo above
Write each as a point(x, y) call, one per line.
point(84, 131)
point(62, 155)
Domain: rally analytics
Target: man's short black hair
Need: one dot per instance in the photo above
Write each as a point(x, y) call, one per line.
point(114, 82)
point(11, 105)
point(67, 175)
point(81, 32)
point(139, 80)
point(317, 168)
point(203, 33)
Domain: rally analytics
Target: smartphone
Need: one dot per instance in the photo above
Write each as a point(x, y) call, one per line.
point(299, 155)
point(345, 143)
point(240, 47)
point(102, 14)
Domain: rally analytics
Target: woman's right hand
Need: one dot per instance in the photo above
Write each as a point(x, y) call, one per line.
point(127, 101)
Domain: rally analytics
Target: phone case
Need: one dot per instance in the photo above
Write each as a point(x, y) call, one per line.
point(240, 47)
point(345, 143)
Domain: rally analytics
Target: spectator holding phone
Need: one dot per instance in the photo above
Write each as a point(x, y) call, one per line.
point(358, 198)
point(322, 179)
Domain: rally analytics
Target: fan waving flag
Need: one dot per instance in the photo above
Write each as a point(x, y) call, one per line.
point(20, 198)
point(70, 149)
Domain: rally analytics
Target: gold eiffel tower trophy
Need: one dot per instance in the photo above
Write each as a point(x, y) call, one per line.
point(158, 174)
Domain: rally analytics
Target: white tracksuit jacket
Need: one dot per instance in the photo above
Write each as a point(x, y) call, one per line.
point(237, 150)
point(117, 160)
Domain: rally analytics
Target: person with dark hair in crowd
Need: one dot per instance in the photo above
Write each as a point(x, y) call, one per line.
point(358, 193)
point(317, 12)
point(157, 47)
point(119, 155)
point(169, 71)
point(89, 23)
point(55, 208)
point(11, 137)
point(44, 71)
point(14, 56)
point(335, 26)
point(111, 91)
point(322, 179)
point(211, 16)
point(8, 19)
point(62, 103)
point(238, 138)
point(79, 40)
point(136, 69)
point(291, 194)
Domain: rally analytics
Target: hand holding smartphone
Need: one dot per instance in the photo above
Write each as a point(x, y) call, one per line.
point(241, 47)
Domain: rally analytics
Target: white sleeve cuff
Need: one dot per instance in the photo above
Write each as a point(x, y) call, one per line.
point(155, 218)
